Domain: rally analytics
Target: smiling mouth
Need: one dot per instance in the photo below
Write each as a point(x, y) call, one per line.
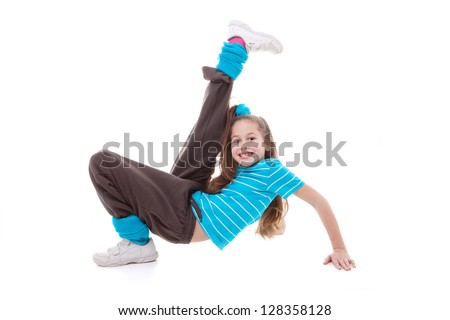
point(246, 155)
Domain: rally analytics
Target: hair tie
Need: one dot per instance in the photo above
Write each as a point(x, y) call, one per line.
point(242, 109)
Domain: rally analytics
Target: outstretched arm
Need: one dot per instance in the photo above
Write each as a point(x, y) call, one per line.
point(339, 257)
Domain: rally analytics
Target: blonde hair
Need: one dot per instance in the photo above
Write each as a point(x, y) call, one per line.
point(272, 221)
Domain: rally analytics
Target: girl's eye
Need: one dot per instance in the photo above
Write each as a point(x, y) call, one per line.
point(252, 138)
point(235, 142)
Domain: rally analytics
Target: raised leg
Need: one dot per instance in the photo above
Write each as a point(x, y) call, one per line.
point(197, 160)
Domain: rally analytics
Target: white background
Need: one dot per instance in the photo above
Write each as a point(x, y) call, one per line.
point(77, 74)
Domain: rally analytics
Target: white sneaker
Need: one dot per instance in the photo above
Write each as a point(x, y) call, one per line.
point(126, 252)
point(254, 41)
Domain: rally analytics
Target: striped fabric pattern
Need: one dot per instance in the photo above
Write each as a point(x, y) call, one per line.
point(244, 200)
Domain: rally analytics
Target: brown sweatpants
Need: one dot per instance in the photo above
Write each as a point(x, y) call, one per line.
point(163, 200)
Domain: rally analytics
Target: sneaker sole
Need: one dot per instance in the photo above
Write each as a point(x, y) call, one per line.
point(152, 258)
point(240, 24)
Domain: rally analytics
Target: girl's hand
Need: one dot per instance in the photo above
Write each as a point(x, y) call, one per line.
point(341, 260)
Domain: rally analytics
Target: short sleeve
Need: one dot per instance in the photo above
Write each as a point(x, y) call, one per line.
point(281, 180)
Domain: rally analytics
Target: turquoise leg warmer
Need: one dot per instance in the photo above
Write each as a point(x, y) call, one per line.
point(232, 59)
point(132, 229)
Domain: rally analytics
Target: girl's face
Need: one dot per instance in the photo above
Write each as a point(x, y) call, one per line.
point(247, 143)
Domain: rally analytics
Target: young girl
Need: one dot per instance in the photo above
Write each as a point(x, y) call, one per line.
point(186, 205)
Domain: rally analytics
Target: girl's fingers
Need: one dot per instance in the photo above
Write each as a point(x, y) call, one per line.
point(340, 263)
point(347, 265)
point(327, 260)
point(336, 263)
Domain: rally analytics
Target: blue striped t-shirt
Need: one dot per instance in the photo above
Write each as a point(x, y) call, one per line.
point(242, 202)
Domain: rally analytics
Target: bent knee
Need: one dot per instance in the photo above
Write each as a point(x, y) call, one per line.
point(104, 159)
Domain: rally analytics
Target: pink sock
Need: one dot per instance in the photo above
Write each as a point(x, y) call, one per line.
point(237, 40)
